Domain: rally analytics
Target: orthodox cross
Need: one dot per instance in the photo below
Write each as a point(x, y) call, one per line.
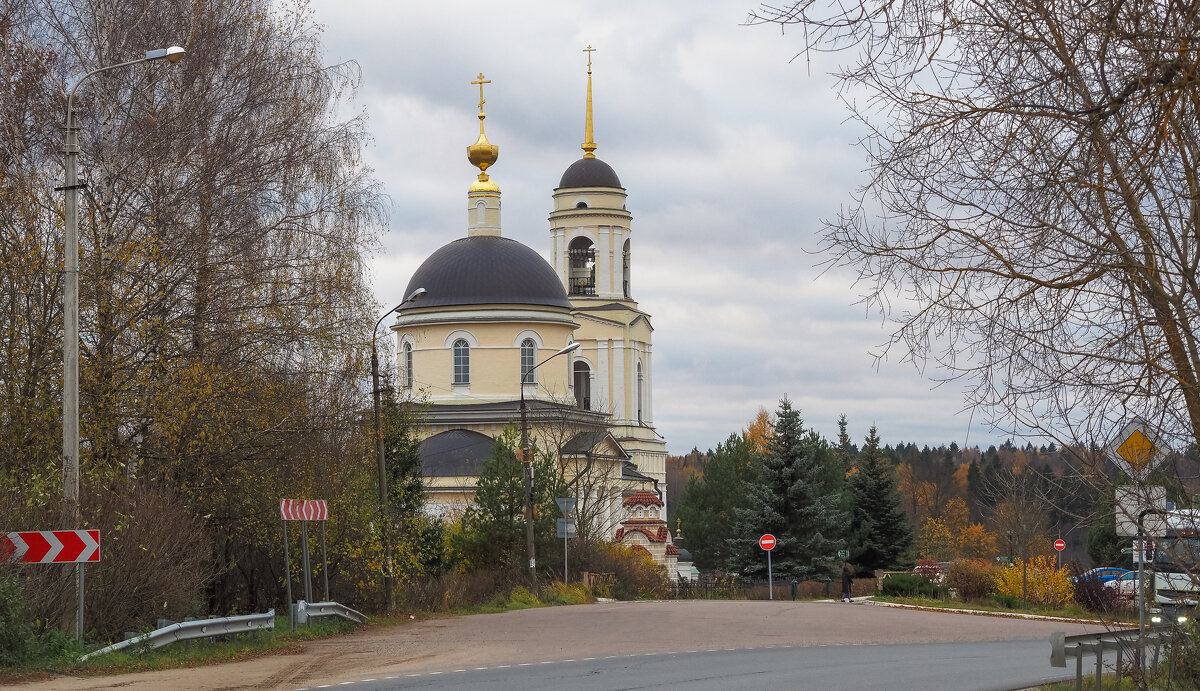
point(481, 81)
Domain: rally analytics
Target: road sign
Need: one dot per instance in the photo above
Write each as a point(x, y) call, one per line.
point(1149, 502)
point(1060, 544)
point(565, 526)
point(767, 542)
point(304, 509)
point(565, 504)
point(843, 554)
point(50, 547)
point(1136, 449)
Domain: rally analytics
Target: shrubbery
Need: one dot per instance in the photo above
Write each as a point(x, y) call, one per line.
point(911, 585)
point(1092, 595)
point(973, 579)
point(1045, 584)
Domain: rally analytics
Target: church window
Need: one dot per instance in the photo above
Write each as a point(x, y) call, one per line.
point(581, 205)
point(480, 212)
point(640, 391)
point(528, 361)
point(582, 274)
point(582, 381)
point(641, 512)
point(462, 362)
point(408, 366)
point(625, 269)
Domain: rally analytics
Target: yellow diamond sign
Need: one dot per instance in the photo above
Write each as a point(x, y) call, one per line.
point(1135, 450)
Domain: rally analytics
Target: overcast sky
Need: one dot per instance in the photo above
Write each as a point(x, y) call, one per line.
point(731, 152)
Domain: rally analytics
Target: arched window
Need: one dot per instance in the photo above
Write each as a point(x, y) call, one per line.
point(641, 388)
point(582, 274)
point(462, 362)
point(408, 366)
point(625, 268)
point(581, 205)
point(528, 361)
point(582, 380)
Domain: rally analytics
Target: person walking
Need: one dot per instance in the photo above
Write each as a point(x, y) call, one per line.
point(847, 581)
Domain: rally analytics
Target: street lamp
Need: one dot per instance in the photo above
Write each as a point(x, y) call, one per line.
point(388, 580)
point(71, 189)
point(527, 460)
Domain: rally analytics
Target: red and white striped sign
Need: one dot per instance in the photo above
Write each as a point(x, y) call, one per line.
point(304, 509)
point(50, 547)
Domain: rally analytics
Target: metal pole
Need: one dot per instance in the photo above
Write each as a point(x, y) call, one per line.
point(70, 394)
point(527, 460)
point(324, 562)
point(770, 578)
point(304, 555)
point(287, 576)
point(566, 532)
point(384, 519)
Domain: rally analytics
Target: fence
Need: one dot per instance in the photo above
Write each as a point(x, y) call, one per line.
point(732, 588)
point(192, 630)
point(1063, 646)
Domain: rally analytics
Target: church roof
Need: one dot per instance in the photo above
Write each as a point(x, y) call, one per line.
point(590, 172)
point(642, 498)
point(456, 452)
point(487, 269)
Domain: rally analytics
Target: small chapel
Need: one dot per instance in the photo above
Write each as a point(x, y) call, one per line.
point(486, 330)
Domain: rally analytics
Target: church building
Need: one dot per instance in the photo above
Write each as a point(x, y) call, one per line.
point(486, 330)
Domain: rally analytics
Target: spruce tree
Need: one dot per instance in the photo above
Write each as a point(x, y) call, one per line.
point(707, 509)
point(798, 498)
point(881, 533)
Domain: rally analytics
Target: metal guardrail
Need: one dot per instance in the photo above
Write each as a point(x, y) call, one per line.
point(191, 630)
point(312, 610)
point(1063, 646)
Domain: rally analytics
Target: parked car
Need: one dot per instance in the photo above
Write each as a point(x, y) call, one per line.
point(1104, 574)
point(1126, 584)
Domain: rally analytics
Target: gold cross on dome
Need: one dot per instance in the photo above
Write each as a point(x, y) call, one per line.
point(481, 81)
point(589, 50)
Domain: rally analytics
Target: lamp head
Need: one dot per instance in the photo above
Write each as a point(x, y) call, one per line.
point(570, 347)
point(418, 293)
point(173, 54)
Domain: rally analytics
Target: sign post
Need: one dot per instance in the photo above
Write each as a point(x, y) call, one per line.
point(54, 547)
point(1059, 545)
point(303, 510)
point(566, 505)
point(767, 542)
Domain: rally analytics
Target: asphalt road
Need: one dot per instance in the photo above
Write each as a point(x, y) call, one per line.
point(980, 666)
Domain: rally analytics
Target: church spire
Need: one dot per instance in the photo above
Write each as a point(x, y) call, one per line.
point(589, 145)
point(483, 154)
point(483, 197)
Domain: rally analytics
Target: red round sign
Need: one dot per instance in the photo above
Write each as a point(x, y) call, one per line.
point(1060, 545)
point(767, 542)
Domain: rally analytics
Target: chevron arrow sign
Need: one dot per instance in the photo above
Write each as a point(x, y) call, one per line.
point(304, 509)
point(50, 547)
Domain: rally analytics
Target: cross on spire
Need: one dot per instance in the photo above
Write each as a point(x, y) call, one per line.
point(589, 50)
point(481, 81)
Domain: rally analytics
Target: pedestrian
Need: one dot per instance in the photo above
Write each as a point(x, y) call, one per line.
point(847, 581)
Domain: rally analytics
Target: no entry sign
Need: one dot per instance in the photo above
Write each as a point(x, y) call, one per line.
point(50, 547)
point(1060, 544)
point(767, 542)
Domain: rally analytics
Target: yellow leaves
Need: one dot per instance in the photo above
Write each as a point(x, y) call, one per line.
point(1045, 584)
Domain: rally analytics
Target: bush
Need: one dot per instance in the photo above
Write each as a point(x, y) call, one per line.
point(1091, 594)
point(973, 579)
point(1010, 601)
point(911, 585)
point(16, 632)
point(635, 575)
point(1045, 584)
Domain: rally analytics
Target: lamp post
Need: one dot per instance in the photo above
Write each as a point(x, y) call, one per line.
point(71, 187)
point(527, 461)
point(389, 581)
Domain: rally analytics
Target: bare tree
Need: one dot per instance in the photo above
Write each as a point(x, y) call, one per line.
point(1032, 212)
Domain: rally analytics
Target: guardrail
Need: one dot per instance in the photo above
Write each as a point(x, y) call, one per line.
point(1063, 646)
point(191, 630)
point(312, 610)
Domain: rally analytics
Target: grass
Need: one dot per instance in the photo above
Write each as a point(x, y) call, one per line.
point(1070, 611)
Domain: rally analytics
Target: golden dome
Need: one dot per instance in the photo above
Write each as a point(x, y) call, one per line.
point(483, 154)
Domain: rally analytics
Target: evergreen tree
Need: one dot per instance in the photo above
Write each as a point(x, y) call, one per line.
point(493, 528)
point(707, 509)
point(799, 498)
point(881, 535)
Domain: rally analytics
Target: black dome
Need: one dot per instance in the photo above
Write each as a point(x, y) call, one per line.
point(487, 269)
point(590, 172)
